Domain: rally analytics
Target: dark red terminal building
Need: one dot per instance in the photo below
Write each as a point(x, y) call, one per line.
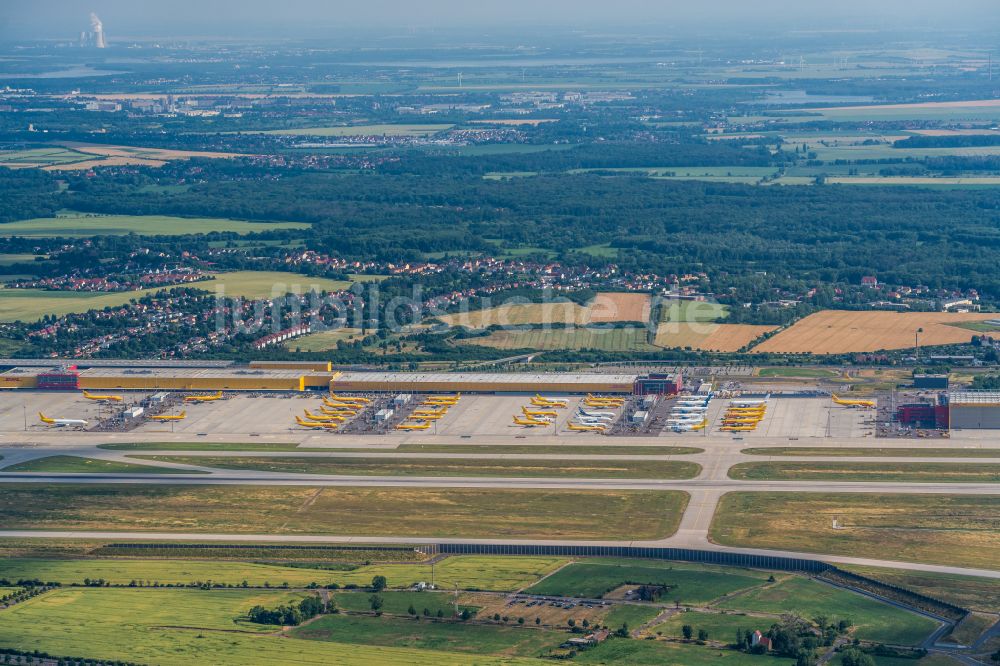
point(925, 414)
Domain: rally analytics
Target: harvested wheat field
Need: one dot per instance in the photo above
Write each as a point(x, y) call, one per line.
point(517, 314)
point(708, 336)
point(841, 332)
point(610, 307)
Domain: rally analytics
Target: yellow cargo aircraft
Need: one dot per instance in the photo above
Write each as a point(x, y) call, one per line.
point(363, 401)
point(534, 413)
point(539, 401)
point(867, 404)
point(413, 426)
point(737, 428)
point(167, 417)
point(315, 424)
point(529, 423)
point(338, 412)
point(324, 417)
point(204, 398)
point(584, 428)
point(111, 398)
point(61, 422)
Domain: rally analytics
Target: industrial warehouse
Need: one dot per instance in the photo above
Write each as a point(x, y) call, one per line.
point(277, 376)
point(312, 398)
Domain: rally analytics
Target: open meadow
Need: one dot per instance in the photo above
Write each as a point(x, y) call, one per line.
point(940, 529)
point(842, 331)
point(479, 572)
point(345, 510)
point(517, 314)
point(32, 304)
point(76, 225)
point(688, 583)
point(169, 626)
point(606, 339)
point(872, 620)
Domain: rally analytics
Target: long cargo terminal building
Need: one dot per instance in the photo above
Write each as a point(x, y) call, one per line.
point(308, 376)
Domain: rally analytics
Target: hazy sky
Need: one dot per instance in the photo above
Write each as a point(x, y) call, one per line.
point(31, 19)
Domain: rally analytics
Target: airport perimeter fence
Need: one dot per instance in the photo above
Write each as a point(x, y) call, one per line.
point(774, 562)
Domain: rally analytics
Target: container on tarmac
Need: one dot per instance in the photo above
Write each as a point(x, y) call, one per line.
point(383, 415)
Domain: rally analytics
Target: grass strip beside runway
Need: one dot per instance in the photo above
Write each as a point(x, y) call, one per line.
point(955, 530)
point(392, 466)
point(376, 511)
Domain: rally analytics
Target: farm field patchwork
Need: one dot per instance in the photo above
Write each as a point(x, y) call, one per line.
point(839, 332)
point(872, 620)
point(865, 471)
point(332, 510)
point(688, 583)
point(393, 466)
point(82, 224)
point(938, 529)
point(100, 154)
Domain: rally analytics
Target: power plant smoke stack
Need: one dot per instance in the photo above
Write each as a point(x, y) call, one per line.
point(97, 28)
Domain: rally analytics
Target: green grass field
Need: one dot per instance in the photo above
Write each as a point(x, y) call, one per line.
point(476, 572)
point(10, 259)
point(692, 311)
point(661, 653)
point(75, 464)
point(32, 304)
point(398, 603)
point(816, 373)
point(41, 157)
point(876, 452)
point(617, 339)
point(867, 471)
point(873, 620)
point(268, 284)
point(720, 626)
point(81, 224)
point(393, 466)
point(460, 638)
point(422, 512)
point(634, 615)
point(401, 129)
point(322, 341)
point(688, 583)
point(940, 529)
point(181, 627)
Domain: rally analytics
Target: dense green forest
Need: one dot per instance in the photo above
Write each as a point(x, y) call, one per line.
point(824, 234)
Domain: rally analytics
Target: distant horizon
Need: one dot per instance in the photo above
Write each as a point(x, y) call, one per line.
point(27, 20)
